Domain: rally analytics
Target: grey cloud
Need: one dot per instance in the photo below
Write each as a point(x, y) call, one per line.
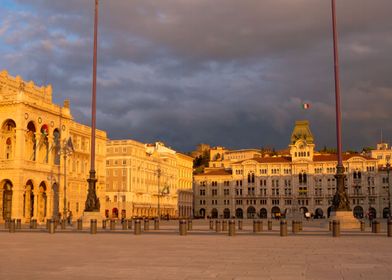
point(226, 72)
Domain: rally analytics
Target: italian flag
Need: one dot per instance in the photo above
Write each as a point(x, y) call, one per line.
point(305, 106)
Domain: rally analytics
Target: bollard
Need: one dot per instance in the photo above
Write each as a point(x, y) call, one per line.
point(376, 227)
point(239, 224)
point(104, 223)
point(63, 223)
point(31, 224)
point(330, 225)
point(146, 225)
point(80, 224)
point(93, 226)
point(156, 224)
point(34, 224)
point(18, 224)
point(336, 228)
point(51, 226)
point(138, 227)
point(299, 226)
point(260, 225)
point(231, 227)
point(129, 222)
point(124, 225)
point(211, 224)
point(6, 223)
point(183, 227)
point(224, 225)
point(218, 226)
point(283, 228)
point(270, 225)
point(362, 226)
point(47, 224)
point(190, 225)
point(254, 226)
point(296, 227)
point(389, 228)
point(112, 224)
point(11, 225)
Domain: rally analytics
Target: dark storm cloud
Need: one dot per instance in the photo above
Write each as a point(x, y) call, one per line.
point(225, 72)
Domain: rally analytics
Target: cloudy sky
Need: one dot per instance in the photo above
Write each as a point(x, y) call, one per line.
point(223, 72)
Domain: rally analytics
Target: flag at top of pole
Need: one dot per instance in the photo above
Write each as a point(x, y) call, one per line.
point(305, 106)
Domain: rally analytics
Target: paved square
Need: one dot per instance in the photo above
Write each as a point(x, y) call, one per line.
point(202, 254)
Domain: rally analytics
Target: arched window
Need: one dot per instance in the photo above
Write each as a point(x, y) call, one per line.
point(8, 148)
point(31, 142)
point(8, 131)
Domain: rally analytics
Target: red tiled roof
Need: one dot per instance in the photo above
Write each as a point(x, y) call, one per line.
point(334, 157)
point(269, 159)
point(216, 172)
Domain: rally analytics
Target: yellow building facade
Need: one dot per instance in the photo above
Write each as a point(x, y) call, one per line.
point(303, 180)
point(36, 160)
point(147, 180)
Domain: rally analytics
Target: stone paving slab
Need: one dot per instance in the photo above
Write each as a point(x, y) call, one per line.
point(203, 254)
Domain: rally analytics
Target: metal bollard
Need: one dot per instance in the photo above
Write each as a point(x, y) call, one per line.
point(104, 221)
point(112, 224)
point(376, 227)
point(295, 227)
point(190, 225)
point(254, 226)
point(239, 224)
point(47, 224)
point(129, 222)
point(146, 225)
point(231, 227)
point(224, 225)
point(330, 225)
point(11, 225)
point(156, 224)
point(362, 225)
point(51, 226)
point(211, 224)
point(389, 228)
point(18, 224)
point(183, 227)
point(93, 226)
point(79, 224)
point(33, 224)
point(124, 225)
point(63, 223)
point(218, 226)
point(6, 223)
point(283, 228)
point(270, 225)
point(336, 228)
point(260, 225)
point(138, 227)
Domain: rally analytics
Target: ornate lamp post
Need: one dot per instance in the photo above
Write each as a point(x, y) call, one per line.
point(340, 200)
point(92, 202)
point(66, 150)
point(388, 167)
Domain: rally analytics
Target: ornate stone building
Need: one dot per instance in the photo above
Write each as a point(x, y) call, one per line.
point(302, 180)
point(34, 143)
point(147, 179)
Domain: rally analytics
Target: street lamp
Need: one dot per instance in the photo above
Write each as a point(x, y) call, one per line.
point(340, 200)
point(92, 202)
point(388, 167)
point(66, 150)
